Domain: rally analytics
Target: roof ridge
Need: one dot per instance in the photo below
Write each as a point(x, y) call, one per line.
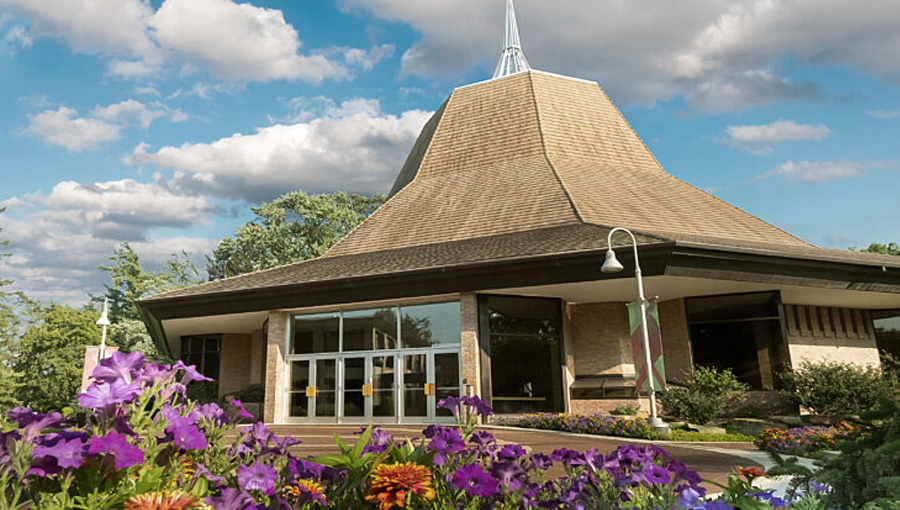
point(562, 184)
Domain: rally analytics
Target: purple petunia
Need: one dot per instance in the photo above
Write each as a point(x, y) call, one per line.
point(118, 446)
point(509, 474)
point(655, 474)
point(66, 453)
point(482, 438)
point(119, 366)
point(232, 499)
point(475, 481)
point(511, 451)
point(258, 477)
point(446, 441)
point(187, 436)
point(190, 373)
point(239, 412)
point(102, 395)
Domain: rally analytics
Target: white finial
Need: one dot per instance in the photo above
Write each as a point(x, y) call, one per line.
point(512, 60)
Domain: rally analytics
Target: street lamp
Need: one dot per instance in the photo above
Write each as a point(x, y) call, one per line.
point(612, 265)
point(103, 321)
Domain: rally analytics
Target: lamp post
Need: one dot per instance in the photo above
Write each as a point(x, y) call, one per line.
point(103, 321)
point(612, 265)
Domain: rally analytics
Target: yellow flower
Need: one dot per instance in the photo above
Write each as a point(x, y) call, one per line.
point(751, 472)
point(304, 491)
point(391, 483)
point(166, 500)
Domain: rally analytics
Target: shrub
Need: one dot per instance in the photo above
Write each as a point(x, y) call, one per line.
point(833, 388)
point(588, 424)
point(704, 396)
point(626, 410)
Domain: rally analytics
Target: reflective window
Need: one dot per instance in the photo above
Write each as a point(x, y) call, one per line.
point(370, 330)
point(526, 358)
point(203, 352)
point(315, 333)
point(430, 325)
point(887, 332)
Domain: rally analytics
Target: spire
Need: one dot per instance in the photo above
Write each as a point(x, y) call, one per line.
point(512, 60)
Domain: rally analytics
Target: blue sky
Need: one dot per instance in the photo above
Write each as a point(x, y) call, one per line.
point(160, 123)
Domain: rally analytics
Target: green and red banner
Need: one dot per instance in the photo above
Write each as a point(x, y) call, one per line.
point(637, 345)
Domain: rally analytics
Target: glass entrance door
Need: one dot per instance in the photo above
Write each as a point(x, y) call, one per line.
point(372, 387)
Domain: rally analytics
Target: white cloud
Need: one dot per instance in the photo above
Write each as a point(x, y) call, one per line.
point(232, 41)
point(238, 41)
point(59, 239)
point(818, 171)
point(352, 147)
point(720, 55)
point(759, 138)
point(884, 114)
point(64, 128)
point(19, 38)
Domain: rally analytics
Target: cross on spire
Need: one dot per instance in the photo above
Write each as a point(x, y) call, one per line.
point(512, 60)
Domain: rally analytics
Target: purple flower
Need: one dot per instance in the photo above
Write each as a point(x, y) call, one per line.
point(210, 412)
point(482, 438)
point(66, 453)
point(688, 497)
point(190, 373)
point(258, 477)
point(540, 461)
point(446, 441)
point(655, 474)
point(33, 423)
point(717, 505)
point(481, 407)
point(475, 481)
point(119, 366)
point(118, 446)
point(509, 474)
point(232, 499)
point(511, 451)
point(103, 395)
point(569, 458)
point(379, 442)
point(240, 412)
point(154, 372)
point(187, 436)
point(451, 403)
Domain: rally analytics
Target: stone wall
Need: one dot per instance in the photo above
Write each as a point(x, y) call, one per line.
point(820, 333)
point(234, 363)
point(273, 407)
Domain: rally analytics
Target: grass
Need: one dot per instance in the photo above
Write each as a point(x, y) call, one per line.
point(692, 436)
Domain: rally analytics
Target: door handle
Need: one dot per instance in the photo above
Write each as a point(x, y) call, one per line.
point(367, 390)
point(429, 389)
point(310, 391)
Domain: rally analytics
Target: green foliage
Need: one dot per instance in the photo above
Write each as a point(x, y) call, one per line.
point(704, 396)
point(355, 464)
point(703, 437)
point(130, 282)
point(884, 249)
point(50, 357)
point(293, 227)
point(833, 388)
point(131, 335)
point(866, 474)
point(626, 410)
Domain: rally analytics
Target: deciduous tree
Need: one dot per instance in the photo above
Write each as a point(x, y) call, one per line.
point(293, 227)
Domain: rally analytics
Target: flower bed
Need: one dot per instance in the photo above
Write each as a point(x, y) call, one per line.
point(804, 440)
point(589, 424)
point(140, 444)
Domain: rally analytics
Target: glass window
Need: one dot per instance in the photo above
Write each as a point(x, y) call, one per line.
point(430, 325)
point(370, 330)
point(525, 348)
point(203, 352)
point(887, 332)
point(315, 333)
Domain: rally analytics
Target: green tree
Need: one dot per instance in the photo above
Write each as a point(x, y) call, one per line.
point(50, 356)
point(293, 227)
point(130, 282)
point(9, 328)
point(884, 249)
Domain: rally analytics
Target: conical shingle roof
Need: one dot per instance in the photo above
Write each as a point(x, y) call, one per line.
point(536, 150)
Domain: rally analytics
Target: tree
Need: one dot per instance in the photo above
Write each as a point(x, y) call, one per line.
point(9, 327)
point(50, 356)
point(884, 249)
point(130, 282)
point(293, 227)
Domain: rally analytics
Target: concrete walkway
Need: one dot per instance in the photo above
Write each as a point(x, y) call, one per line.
point(713, 461)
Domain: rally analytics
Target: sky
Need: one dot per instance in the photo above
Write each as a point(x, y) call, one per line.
point(162, 122)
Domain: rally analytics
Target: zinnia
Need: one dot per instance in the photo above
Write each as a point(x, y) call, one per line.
point(390, 484)
point(174, 500)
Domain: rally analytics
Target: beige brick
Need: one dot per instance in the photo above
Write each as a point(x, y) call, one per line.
point(599, 338)
point(676, 337)
point(469, 349)
point(273, 407)
point(234, 366)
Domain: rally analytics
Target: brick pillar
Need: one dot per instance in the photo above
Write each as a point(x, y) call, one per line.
point(676, 337)
point(275, 395)
point(469, 351)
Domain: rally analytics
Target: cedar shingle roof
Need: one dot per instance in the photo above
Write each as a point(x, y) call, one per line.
point(529, 165)
point(534, 150)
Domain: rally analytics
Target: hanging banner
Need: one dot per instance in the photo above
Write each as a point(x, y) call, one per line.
point(637, 345)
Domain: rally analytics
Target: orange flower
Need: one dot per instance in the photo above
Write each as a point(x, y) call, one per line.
point(167, 500)
point(304, 491)
point(390, 484)
point(751, 472)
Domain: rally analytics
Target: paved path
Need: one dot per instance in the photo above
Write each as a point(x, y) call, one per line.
point(713, 461)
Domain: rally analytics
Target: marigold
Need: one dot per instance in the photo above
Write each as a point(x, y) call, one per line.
point(751, 472)
point(391, 483)
point(305, 491)
point(166, 500)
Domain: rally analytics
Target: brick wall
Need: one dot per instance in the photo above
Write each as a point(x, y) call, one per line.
point(599, 338)
point(234, 363)
point(257, 353)
point(676, 337)
point(469, 350)
point(273, 407)
point(821, 333)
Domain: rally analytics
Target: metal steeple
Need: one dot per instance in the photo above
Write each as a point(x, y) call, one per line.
point(512, 60)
